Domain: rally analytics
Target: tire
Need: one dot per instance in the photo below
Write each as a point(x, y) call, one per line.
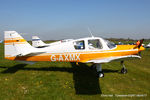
point(100, 74)
point(123, 70)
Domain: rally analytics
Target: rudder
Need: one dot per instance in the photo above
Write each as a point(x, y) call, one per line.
point(15, 45)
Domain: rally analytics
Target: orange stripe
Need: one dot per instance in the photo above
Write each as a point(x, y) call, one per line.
point(83, 57)
point(12, 41)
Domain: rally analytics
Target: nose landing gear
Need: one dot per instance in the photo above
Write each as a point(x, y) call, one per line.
point(123, 70)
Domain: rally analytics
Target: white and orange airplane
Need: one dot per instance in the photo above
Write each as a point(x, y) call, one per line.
point(93, 50)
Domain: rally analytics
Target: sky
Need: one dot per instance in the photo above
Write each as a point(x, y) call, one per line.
point(63, 19)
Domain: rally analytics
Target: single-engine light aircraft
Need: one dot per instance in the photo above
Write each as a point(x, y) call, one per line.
point(93, 50)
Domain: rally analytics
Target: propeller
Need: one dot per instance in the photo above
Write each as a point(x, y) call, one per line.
point(139, 45)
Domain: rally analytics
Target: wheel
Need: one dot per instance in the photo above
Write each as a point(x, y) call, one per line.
point(100, 74)
point(123, 70)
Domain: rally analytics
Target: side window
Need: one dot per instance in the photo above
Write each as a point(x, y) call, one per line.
point(79, 45)
point(94, 44)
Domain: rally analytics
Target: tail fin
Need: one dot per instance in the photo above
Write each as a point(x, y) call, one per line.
point(37, 42)
point(15, 45)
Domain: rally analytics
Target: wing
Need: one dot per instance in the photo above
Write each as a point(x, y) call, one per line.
point(106, 60)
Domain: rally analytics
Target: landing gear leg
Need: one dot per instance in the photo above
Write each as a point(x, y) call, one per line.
point(123, 70)
point(99, 70)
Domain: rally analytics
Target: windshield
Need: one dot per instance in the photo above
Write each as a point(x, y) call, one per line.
point(110, 44)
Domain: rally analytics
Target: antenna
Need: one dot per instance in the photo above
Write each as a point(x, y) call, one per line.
point(90, 32)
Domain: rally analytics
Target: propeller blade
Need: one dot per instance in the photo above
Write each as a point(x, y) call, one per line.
point(141, 41)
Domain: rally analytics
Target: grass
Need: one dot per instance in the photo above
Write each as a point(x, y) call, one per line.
point(66, 81)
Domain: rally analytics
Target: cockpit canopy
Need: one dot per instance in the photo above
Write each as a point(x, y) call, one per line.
point(93, 44)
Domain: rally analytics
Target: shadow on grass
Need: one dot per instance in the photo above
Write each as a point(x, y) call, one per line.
point(22, 67)
point(13, 69)
point(110, 71)
point(86, 81)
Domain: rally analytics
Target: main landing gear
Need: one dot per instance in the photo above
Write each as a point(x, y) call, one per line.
point(98, 68)
point(100, 73)
point(123, 70)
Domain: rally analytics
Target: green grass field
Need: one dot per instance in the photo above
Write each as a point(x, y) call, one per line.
point(66, 81)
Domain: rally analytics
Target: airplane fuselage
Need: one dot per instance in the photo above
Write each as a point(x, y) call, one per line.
point(67, 52)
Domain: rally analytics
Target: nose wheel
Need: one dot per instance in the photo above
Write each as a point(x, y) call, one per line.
point(123, 70)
